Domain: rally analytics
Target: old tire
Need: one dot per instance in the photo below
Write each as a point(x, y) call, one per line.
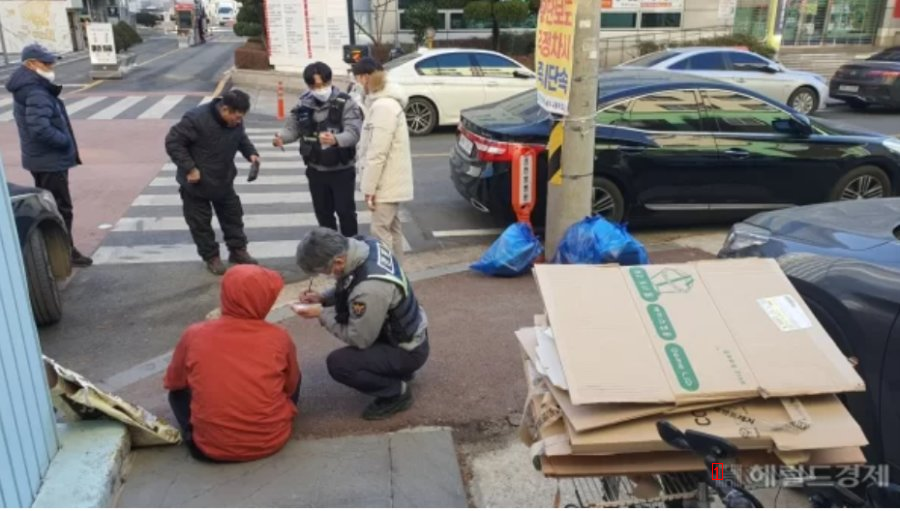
point(866, 182)
point(421, 116)
point(42, 288)
point(607, 200)
point(804, 100)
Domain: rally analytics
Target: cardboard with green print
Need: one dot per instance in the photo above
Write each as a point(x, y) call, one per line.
point(687, 333)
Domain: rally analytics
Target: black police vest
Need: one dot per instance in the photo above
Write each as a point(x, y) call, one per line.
point(310, 148)
point(402, 321)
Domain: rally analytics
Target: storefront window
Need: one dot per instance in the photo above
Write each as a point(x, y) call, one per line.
point(661, 20)
point(618, 20)
point(815, 22)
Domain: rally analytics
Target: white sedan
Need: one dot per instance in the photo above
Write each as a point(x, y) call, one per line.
point(802, 91)
point(443, 82)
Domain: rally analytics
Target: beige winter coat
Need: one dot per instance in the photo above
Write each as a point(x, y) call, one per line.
point(385, 159)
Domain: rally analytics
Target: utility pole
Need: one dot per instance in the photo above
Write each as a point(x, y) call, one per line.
point(570, 192)
point(3, 43)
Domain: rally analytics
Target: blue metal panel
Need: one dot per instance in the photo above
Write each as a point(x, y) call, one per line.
point(27, 425)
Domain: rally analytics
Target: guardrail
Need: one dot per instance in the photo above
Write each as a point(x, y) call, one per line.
point(620, 49)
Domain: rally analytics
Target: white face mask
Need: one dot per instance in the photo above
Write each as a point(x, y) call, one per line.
point(323, 94)
point(50, 76)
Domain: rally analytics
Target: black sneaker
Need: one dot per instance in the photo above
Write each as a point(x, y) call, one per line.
point(80, 260)
point(241, 256)
point(216, 266)
point(384, 407)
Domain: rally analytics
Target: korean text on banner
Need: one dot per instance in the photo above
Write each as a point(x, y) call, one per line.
point(553, 49)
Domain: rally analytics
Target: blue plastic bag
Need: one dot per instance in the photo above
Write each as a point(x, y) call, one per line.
point(512, 254)
point(597, 241)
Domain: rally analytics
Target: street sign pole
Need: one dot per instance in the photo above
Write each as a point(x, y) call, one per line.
point(3, 43)
point(570, 190)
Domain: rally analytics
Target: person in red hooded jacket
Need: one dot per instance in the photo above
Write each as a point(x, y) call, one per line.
point(234, 381)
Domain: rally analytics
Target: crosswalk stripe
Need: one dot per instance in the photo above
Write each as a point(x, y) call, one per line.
point(262, 180)
point(177, 223)
point(246, 199)
point(245, 165)
point(161, 107)
point(7, 116)
point(84, 103)
point(117, 108)
point(144, 254)
point(5, 102)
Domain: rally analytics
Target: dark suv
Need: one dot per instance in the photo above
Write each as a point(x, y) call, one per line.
point(46, 249)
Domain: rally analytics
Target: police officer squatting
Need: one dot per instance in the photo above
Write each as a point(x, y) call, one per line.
point(373, 310)
point(327, 124)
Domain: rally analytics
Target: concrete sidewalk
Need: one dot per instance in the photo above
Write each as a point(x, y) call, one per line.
point(472, 385)
point(406, 469)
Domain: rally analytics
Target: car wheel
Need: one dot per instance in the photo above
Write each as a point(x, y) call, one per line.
point(866, 182)
point(421, 116)
point(42, 288)
point(607, 200)
point(804, 100)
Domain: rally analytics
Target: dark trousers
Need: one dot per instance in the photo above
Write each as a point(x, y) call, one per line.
point(57, 183)
point(198, 215)
point(378, 370)
point(333, 193)
point(180, 402)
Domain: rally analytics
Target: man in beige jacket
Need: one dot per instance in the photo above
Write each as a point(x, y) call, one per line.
point(385, 159)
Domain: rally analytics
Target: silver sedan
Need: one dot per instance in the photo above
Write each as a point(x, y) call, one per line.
point(802, 91)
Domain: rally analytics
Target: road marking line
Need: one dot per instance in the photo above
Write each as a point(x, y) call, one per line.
point(246, 199)
point(157, 254)
point(154, 59)
point(206, 100)
point(89, 86)
point(177, 223)
point(116, 109)
point(298, 179)
point(162, 107)
point(5, 102)
point(221, 85)
point(466, 232)
point(7, 116)
point(84, 103)
point(245, 165)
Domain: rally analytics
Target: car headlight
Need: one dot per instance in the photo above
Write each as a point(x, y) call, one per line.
point(892, 145)
point(744, 236)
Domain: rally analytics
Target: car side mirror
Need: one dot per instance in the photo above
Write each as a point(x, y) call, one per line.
point(792, 127)
point(771, 68)
point(522, 74)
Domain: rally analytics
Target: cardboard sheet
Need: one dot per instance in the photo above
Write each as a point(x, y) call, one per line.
point(687, 333)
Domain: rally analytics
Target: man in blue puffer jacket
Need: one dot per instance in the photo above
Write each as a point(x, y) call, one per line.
point(48, 144)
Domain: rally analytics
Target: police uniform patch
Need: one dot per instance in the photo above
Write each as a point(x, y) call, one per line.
point(358, 308)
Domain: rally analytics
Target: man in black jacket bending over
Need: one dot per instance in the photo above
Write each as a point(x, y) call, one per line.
point(203, 145)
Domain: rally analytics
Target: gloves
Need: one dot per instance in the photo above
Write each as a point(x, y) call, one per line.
point(254, 172)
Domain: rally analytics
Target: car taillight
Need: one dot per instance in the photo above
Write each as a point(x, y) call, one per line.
point(495, 151)
point(883, 75)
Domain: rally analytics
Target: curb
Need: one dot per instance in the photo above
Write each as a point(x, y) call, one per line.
point(225, 83)
point(87, 470)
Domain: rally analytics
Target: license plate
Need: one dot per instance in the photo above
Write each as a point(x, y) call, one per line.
point(466, 145)
point(849, 88)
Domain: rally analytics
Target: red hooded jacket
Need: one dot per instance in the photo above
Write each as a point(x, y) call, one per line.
point(241, 371)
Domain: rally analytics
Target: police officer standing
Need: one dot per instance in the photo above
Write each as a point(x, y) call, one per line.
point(327, 122)
point(373, 310)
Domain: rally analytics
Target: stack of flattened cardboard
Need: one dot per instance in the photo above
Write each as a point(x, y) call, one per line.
point(724, 347)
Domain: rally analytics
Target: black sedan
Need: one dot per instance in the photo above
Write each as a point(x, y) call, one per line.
point(873, 81)
point(669, 143)
point(46, 249)
point(844, 260)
